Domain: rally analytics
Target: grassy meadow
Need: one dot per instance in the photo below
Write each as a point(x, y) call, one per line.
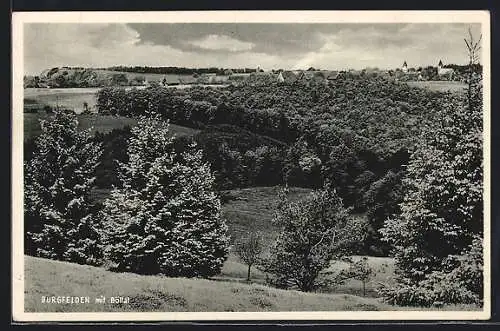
point(66, 98)
point(236, 271)
point(440, 86)
point(98, 123)
point(150, 77)
point(156, 294)
point(224, 293)
point(253, 209)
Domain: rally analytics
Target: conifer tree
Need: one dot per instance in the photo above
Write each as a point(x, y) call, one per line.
point(59, 177)
point(166, 217)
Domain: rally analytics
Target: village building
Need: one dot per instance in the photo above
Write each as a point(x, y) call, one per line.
point(289, 76)
point(280, 77)
point(404, 68)
point(442, 71)
point(332, 75)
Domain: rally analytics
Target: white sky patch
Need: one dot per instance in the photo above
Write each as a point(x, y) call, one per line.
point(222, 42)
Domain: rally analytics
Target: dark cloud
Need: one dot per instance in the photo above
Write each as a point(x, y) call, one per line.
point(276, 39)
point(283, 39)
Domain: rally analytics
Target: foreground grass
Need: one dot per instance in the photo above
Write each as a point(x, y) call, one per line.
point(155, 293)
point(383, 273)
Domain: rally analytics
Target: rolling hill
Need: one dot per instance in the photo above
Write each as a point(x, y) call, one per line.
point(98, 123)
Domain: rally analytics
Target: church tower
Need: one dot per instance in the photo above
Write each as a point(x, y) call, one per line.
point(404, 68)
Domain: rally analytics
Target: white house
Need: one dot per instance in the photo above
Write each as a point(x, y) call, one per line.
point(281, 79)
point(444, 71)
point(404, 68)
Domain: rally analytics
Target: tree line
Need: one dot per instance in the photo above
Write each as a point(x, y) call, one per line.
point(179, 70)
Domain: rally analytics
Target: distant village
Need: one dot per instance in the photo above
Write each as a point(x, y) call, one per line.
point(87, 77)
point(405, 73)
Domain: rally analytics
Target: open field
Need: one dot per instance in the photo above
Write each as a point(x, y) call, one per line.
point(100, 123)
point(440, 86)
point(253, 209)
point(150, 77)
point(156, 293)
point(66, 98)
point(48, 278)
point(74, 98)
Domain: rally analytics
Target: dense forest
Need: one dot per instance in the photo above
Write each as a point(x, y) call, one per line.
point(354, 135)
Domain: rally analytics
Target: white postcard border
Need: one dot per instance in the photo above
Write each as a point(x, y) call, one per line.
point(19, 18)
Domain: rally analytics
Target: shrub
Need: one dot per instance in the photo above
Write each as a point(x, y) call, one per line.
point(459, 282)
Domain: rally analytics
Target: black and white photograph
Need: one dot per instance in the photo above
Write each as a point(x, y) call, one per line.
point(251, 165)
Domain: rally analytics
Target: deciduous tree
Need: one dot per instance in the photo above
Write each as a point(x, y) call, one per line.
point(249, 250)
point(313, 231)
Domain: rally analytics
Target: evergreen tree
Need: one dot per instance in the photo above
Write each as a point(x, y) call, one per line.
point(313, 231)
point(442, 212)
point(166, 217)
point(59, 177)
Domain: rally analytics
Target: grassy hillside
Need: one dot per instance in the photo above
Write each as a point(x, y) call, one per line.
point(440, 86)
point(150, 77)
point(155, 293)
point(383, 268)
point(74, 98)
point(101, 123)
point(253, 209)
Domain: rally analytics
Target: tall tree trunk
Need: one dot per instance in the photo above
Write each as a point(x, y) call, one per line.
point(248, 274)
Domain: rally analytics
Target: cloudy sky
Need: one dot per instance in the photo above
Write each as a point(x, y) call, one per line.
point(234, 45)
